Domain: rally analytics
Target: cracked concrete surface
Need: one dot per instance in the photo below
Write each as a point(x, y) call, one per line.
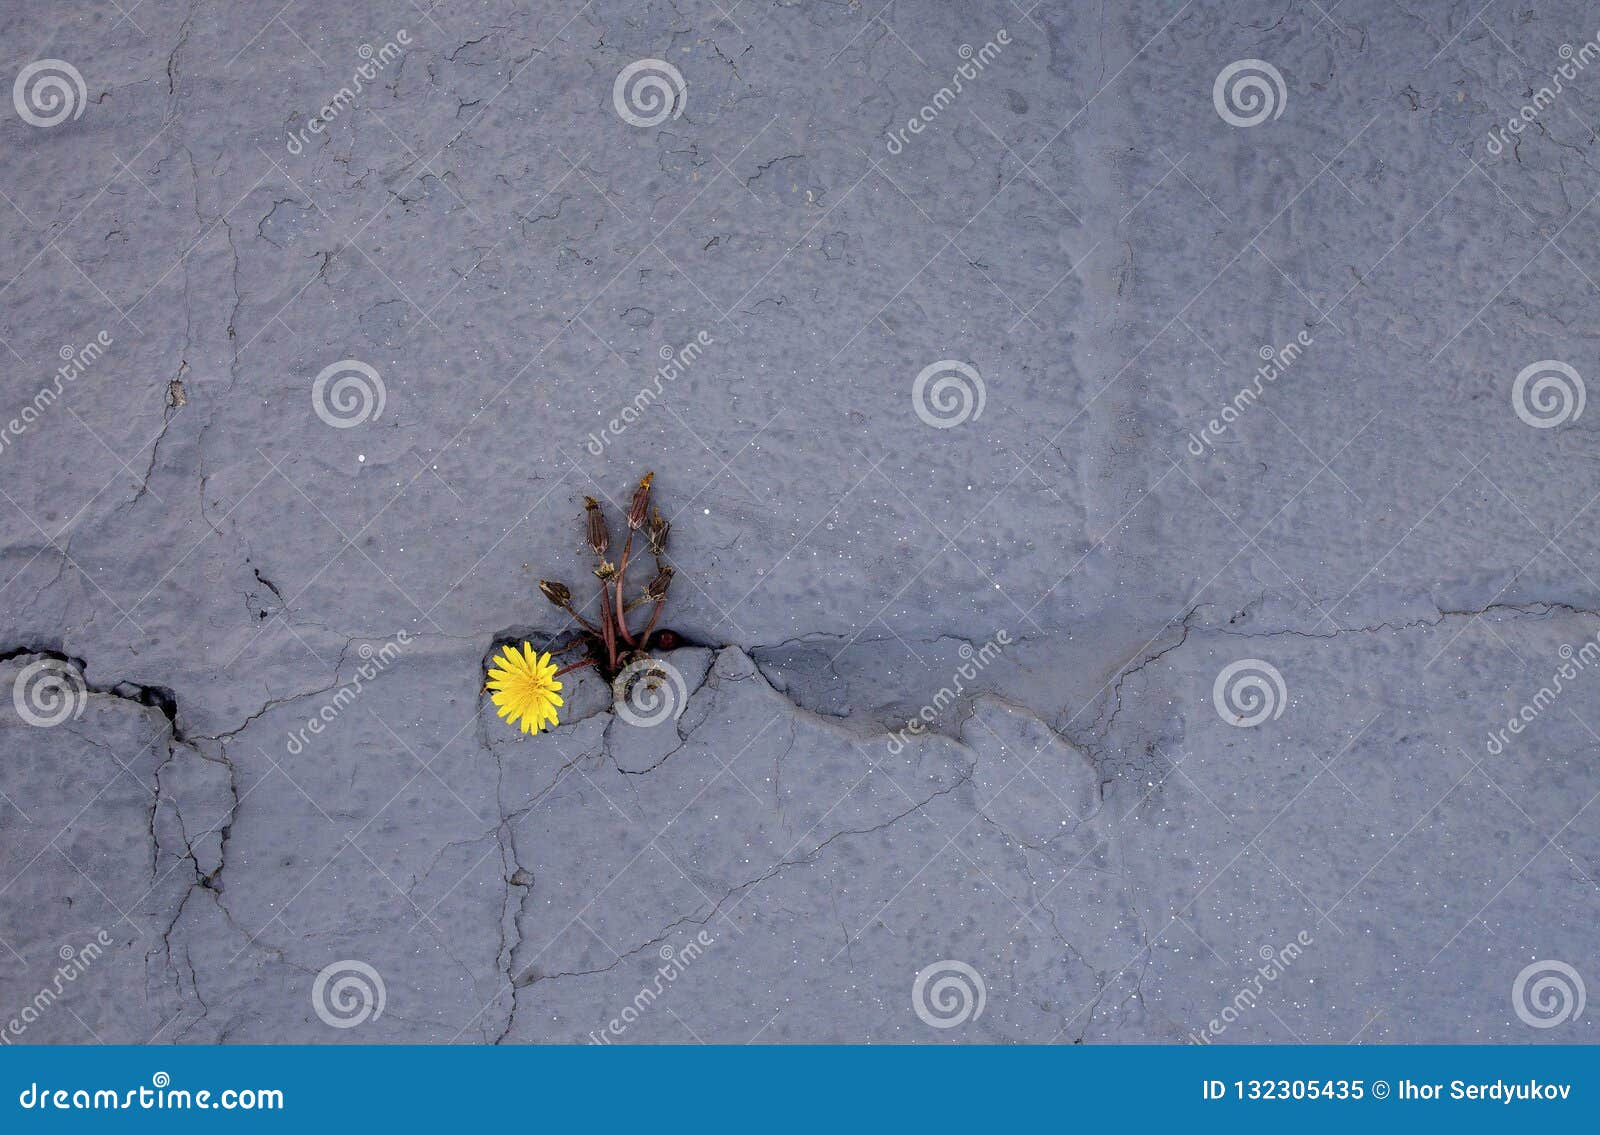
point(266, 632)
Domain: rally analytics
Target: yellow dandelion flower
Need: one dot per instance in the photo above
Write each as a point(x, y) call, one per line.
point(523, 687)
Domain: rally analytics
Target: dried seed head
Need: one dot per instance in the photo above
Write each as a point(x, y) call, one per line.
point(607, 570)
point(656, 589)
point(641, 501)
point(657, 532)
point(557, 593)
point(597, 537)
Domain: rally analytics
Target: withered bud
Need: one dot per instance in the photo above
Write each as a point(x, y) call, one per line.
point(657, 532)
point(607, 570)
point(557, 593)
point(656, 589)
point(641, 501)
point(597, 538)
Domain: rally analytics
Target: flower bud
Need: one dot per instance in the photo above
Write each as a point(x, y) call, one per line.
point(641, 501)
point(657, 532)
point(557, 593)
point(656, 589)
point(597, 538)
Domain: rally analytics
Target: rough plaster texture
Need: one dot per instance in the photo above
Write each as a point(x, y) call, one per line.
point(1082, 226)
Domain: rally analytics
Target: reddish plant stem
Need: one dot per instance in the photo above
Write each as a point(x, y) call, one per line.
point(583, 622)
point(654, 615)
point(621, 606)
point(574, 666)
point(608, 625)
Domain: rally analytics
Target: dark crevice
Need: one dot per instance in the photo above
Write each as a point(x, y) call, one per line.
point(571, 645)
point(159, 698)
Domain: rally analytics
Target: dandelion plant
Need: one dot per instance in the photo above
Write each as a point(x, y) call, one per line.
point(526, 686)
